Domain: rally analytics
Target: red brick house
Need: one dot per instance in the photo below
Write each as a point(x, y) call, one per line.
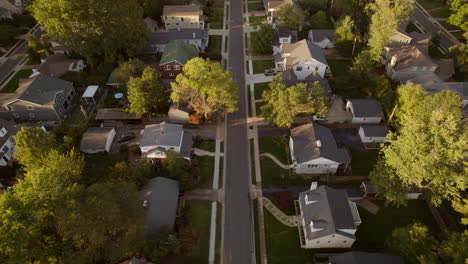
point(176, 54)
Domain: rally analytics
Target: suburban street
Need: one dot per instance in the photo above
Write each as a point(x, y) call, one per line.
point(237, 239)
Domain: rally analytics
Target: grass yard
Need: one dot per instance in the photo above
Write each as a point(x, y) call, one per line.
point(206, 166)
point(282, 242)
point(443, 12)
point(362, 161)
point(374, 229)
point(256, 20)
point(12, 85)
point(214, 46)
point(259, 88)
point(340, 68)
point(340, 80)
point(431, 4)
point(215, 19)
point(277, 146)
point(259, 66)
point(274, 175)
point(205, 144)
point(200, 217)
point(255, 6)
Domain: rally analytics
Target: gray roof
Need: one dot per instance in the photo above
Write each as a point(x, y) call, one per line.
point(164, 37)
point(162, 195)
point(40, 89)
point(290, 79)
point(358, 257)
point(320, 34)
point(115, 114)
point(4, 12)
point(163, 134)
point(366, 108)
point(331, 211)
point(283, 32)
point(57, 65)
point(433, 84)
point(95, 139)
point(305, 144)
point(302, 51)
point(186, 146)
point(375, 131)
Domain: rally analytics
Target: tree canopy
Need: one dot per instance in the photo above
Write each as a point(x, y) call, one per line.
point(283, 104)
point(128, 69)
point(205, 87)
point(262, 39)
point(459, 17)
point(292, 16)
point(31, 145)
point(103, 30)
point(147, 94)
point(460, 55)
point(345, 36)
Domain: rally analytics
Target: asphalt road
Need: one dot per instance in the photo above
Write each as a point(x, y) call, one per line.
point(237, 239)
point(432, 29)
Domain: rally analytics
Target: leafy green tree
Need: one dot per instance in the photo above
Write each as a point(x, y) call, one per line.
point(313, 6)
point(319, 20)
point(152, 8)
point(32, 144)
point(292, 16)
point(345, 36)
point(121, 172)
point(387, 183)
point(382, 91)
point(163, 243)
point(36, 48)
point(261, 40)
point(206, 88)
point(460, 55)
point(454, 248)
point(356, 9)
point(361, 66)
point(459, 17)
point(128, 69)
point(179, 169)
point(429, 151)
point(147, 94)
point(409, 96)
point(105, 30)
point(283, 104)
point(385, 21)
point(461, 205)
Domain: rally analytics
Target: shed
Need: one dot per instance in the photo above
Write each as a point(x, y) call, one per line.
point(179, 113)
point(162, 196)
point(365, 111)
point(97, 139)
point(92, 95)
point(371, 134)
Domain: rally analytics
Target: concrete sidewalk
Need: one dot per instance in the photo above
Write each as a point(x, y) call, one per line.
point(275, 160)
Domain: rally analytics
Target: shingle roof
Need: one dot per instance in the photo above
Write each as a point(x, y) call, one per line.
point(180, 51)
point(164, 37)
point(366, 108)
point(320, 34)
point(302, 51)
point(95, 139)
point(375, 131)
point(163, 134)
point(162, 195)
point(305, 146)
point(283, 32)
point(56, 65)
point(433, 84)
point(358, 257)
point(331, 211)
point(115, 114)
point(290, 79)
point(411, 56)
point(181, 10)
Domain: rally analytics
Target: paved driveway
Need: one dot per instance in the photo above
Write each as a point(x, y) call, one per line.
point(348, 137)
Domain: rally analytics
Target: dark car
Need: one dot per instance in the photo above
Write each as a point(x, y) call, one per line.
point(270, 72)
point(126, 138)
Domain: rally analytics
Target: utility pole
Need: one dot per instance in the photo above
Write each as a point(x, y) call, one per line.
point(391, 115)
point(354, 46)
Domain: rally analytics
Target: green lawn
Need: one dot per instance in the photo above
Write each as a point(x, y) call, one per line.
point(214, 46)
point(277, 146)
point(340, 68)
point(374, 229)
point(362, 161)
point(200, 217)
point(441, 12)
point(216, 17)
point(206, 167)
point(274, 175)
point(259, 88)
point(98, 166)
point(431, 4)
point(340, 81)
point(259, 66)
point(255, 6)
point(12, 85)
point(256, 20)
point(205, 144)
point(282, 243)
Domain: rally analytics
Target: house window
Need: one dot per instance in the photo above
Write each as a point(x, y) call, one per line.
point(171, 74)
point(32, 115)
point(9, 108)
point(177, 67)
point(167, 67)
point(299, 68)
point(30, 107)
point(5, 149)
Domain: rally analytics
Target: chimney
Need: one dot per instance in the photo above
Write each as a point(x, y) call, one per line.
point(393, 61)
point(313, 186)
point(319, 143)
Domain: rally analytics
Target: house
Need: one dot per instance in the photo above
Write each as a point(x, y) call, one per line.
point(405, 62)
point(58, 48)
point(283, 35)
point(8, 130)
point(176, 54)
point(183, 16)
point(116, 115)
point(329, 218)
point(160, 197)
point(57, 65)
point(290, 79)
point(373, 134)
point(303, 58)
point(365, 111)
point(273, 6)
point(402, 37)
point(314, 150)
point(97, 139)
point(369, 190)
point(151, 24)
point(12, 6)
point(92, 95)
point(359, 257)
point(158, 40)
point(322, 37)
point(159, 138)
point(179, 113)
point(38, 98)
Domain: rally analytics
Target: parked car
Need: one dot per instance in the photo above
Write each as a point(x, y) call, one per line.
point(270, 72)
point(319, 118)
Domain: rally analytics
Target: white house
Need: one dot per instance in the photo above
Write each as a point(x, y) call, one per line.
point(195, 36)
point(58, 64)
point(314, 150)
point(303, 57)
point(97, 139)
point(183, 16)
point(365, 111)
point(322, 37)
point(373, 134)
point(273, 6)
point(329, 218)
point(283, 35)
point(159, 138)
